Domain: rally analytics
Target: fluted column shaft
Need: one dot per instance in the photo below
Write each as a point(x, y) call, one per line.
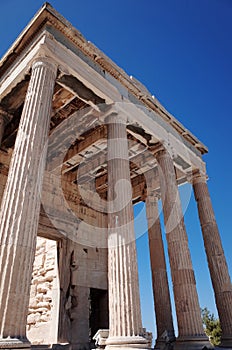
point(216, 259)
point(162, 302)
point(21, 205)
point(124, 299)
point(184, 285)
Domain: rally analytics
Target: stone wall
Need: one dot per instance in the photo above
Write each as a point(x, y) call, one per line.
point(78, 294)
point(42, 322)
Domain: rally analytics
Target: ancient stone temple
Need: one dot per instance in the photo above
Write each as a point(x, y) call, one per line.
point(81, 142)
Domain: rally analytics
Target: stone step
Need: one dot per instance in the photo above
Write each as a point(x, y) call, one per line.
point(41, 347)
point(51, 347)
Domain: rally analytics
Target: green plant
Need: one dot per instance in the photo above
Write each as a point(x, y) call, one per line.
point(211, 326)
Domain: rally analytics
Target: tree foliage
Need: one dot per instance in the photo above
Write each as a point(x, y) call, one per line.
point(211, 326)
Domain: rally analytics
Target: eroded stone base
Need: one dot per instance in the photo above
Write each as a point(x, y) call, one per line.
point(192, 343)
point(11, 343)
point(13, 347)
point(226, 342)
point(165, 342)
point(163, 345)
point(126, 346)
point(136, 342)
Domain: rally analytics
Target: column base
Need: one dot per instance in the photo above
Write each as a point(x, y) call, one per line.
point(14, 343)
point(165, 340)
point(163, 345)
point(129, 343)
point(192, 343)
point(226, 342)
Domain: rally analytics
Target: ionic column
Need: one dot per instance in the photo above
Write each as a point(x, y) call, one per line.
point(216, 258)
point(190, 328)
point(162, 302)
point(124, 301)
point(20, 208)
point(4, 119)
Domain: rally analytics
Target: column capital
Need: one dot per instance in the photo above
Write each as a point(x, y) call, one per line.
point(157, 149)
point(162, 149)
point(115, 117)
point(45, 61)
point(197, 176)
point(115, 114)
point(154, 195)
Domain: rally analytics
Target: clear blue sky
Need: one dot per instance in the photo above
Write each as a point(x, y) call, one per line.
point(182, 51)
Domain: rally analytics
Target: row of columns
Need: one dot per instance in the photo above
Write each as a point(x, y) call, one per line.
point(190, 328)
point(184, 285)
point(19, 221)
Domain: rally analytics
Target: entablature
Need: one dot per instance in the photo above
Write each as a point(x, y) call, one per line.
point(88, 87)
point(120, 85)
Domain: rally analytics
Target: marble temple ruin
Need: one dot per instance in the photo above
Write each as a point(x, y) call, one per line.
point(81, 142)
